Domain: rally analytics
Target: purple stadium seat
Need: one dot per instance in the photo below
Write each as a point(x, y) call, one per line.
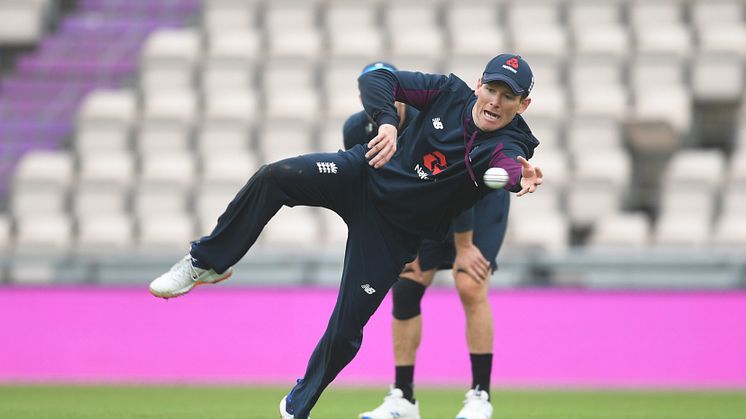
point(97, 46)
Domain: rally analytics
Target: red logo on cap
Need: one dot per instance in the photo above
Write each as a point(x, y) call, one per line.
point(513, 62)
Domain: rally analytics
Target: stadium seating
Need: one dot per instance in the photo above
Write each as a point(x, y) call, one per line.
point(157, 115)
point(23, 22)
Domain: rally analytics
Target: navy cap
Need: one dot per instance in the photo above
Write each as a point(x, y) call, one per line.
point(376, 65)
point(511, 69)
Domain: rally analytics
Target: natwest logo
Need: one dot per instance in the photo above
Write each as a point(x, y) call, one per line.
point(421, 172)
point(435, 162)
point(432, 164)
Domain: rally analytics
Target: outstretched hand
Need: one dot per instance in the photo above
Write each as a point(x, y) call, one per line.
point(531, 177)
point(383, 146)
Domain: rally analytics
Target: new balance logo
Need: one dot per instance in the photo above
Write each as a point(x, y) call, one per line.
point(368, 289)
point(437, 124)
point(327, 167)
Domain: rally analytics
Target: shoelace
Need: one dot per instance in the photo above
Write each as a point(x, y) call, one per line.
point(187, 268)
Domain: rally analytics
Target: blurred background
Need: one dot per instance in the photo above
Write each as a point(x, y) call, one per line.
point(127, 126)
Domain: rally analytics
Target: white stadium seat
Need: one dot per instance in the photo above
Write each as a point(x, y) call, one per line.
point(695, 169)
point(297, 226)
point(673, 39)
point(5, 231)
point(227, 121)
point(49, 231)
point(335, 229)
point(612, 40)
point(547, 231)
point(538, 12)
point(166, 231)
point(656, 13)
point(621, 229)
point(583, 13)
point(211, 201)
point(105, 232)
point(715, 13)
point(167, 121)
point(229, 15)
point(105, 120)
point(682, 230)
point(231, 60)
point(550, 39)
point(227, 168)
point(169, 59)
point(41, 183)
point(718, 77)
point(730, 231)
point(587, 133)
point(285, 138)
point(21, 22)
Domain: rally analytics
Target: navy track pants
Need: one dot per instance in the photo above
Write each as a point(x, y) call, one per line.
point(375, 252)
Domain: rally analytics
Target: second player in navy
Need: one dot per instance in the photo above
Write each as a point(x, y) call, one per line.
point(470, 250)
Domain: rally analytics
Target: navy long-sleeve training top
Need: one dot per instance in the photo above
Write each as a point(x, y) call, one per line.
point(436, 172)
point(360, 129)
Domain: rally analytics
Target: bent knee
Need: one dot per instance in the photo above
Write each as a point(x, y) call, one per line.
point(407, 297)
point(471, 291)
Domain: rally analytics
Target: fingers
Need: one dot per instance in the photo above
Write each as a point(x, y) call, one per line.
point(374, 146)
point(539, 175)
point(381, 148)
point(383, 156)
point(478, 269)
point(523, 162)
point(477, 274)
point(527, 189)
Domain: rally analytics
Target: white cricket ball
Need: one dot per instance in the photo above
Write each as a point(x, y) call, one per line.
point(495, 177)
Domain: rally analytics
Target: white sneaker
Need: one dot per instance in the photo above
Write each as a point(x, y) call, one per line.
point(476, 406)
point(283, 410)
point(394, 406)
point(184, 276)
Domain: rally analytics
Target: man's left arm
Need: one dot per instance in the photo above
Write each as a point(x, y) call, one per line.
point(523, 177)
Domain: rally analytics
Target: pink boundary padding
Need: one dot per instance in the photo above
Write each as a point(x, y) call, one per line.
point(550, 338)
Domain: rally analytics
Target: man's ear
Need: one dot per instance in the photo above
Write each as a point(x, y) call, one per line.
point(524, 104)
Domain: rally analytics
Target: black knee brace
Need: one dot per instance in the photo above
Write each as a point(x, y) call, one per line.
point(407, 297)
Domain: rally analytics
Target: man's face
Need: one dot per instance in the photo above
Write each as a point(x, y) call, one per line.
point(496, 105)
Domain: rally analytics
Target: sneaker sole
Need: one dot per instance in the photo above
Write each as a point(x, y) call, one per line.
point(194, 285)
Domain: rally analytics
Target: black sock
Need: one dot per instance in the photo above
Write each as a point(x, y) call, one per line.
point(481, 369)
point(405, 381)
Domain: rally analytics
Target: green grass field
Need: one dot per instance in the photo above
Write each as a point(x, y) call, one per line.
point(345, 403)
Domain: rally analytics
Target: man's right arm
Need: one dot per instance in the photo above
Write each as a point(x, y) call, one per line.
point(379, 90)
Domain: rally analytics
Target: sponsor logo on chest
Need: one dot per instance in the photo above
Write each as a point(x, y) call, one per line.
point(432, 164)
